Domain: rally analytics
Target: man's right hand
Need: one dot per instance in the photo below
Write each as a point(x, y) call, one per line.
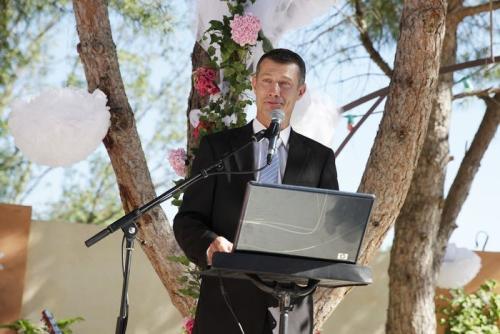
point(220, 244)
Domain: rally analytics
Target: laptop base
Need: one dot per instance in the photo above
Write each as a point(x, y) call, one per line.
point(285, 269)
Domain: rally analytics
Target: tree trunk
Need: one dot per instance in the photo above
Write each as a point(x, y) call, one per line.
point(198, 58)
point(411, 277)
point(400, 137)
point(420, 238)
point(99, 58)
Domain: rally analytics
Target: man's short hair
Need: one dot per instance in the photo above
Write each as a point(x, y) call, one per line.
point(285, 56)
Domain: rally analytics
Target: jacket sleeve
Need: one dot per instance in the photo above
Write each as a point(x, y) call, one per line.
point(329, 173)
point(192, 224)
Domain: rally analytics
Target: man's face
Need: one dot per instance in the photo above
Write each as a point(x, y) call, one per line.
point(276, 86)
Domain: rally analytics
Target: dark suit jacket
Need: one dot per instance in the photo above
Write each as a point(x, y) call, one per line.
point(212, 207)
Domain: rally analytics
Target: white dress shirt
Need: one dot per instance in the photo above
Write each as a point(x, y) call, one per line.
point(260, 149)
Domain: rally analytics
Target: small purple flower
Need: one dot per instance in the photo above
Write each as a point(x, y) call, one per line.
point(245, 29)
point(177, 159)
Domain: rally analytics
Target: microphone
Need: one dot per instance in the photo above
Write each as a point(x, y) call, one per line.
point(273, 131)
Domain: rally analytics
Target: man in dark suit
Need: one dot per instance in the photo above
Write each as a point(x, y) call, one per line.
point(209, 215)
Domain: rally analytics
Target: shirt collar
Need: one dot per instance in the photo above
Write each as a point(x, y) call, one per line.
point(284, 134)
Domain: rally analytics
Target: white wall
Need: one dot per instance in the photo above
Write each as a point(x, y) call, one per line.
point(71, 280)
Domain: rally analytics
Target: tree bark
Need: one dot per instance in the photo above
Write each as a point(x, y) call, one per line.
point(402, 130)
point(98, 54)
point(199, 58)
point(411, 277)
point(421, 231)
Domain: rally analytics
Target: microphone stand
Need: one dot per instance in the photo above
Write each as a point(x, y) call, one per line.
point(129, 228)
point(285, 293)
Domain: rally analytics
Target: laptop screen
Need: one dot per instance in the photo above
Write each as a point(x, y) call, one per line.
point(302, 221)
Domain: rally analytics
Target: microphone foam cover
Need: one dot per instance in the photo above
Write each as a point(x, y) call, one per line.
point(278, 114)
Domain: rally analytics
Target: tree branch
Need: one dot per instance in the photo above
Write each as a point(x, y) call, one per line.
point(367, 42)
point(463, 12)
point(443, 70)
point(329, 29)
point(479, 93)
point(468, 168)
point(34, 183)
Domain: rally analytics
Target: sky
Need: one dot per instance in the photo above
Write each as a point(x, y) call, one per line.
point(479, 213)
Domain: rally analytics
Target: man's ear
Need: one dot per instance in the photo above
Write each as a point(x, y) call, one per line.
point(254, 81)
point(302, 90)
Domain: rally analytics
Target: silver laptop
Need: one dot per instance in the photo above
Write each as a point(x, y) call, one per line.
point(304, 222)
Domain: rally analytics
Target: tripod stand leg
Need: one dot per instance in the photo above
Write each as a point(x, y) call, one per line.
point(121, 321)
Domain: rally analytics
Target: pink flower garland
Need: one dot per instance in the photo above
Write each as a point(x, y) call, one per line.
point(204, 84)
point(177, 159)
point(188, 325)
point(245, 29)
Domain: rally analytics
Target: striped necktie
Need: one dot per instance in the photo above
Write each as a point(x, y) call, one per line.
point(271, 174)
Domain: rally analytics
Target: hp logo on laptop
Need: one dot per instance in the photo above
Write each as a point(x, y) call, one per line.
point(342, 256)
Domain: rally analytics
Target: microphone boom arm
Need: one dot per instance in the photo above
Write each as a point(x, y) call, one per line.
point(133, 215)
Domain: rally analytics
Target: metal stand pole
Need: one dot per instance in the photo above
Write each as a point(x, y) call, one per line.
point(284, 293)
point(121, 322)
point(285, 307)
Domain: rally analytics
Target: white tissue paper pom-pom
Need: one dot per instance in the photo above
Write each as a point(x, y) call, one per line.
point(60, 126)
point(459, 267)
point(316, 116)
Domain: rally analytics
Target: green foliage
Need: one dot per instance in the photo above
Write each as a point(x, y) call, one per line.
point(232, 62)
point(176, 198)
point(64, 324)
point(148, 16)
point(478, 312)
point(26, 29)
point(382, 17)
point(190, 281)
point(236, 6)
point(136, 74)
point(15, 172)
point(25, 326)
point(492, 73)
point(23, 27)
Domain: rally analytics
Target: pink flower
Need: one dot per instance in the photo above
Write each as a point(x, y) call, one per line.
point(206, 72)
point(204, 81)
point(188, 325)
point(201, 125)
point(245, 29)
point(177, 159)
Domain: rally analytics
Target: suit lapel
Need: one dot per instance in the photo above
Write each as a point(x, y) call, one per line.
point(245, 158)
point(298, 156)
